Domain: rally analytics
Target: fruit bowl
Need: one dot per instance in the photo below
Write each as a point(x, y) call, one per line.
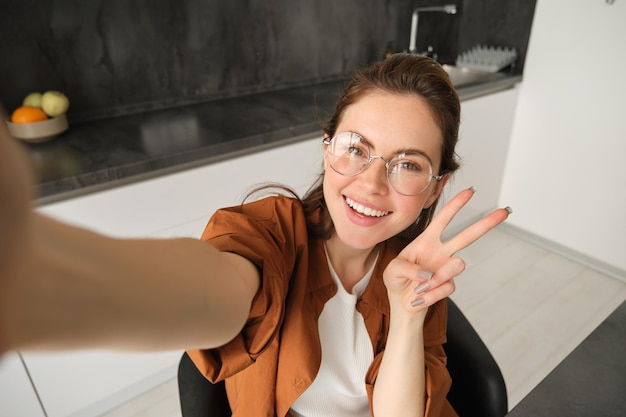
point(38, 131)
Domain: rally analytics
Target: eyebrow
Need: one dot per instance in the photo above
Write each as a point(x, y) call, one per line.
point(399, 151)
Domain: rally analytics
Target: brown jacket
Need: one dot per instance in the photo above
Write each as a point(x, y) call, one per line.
point(277, 355)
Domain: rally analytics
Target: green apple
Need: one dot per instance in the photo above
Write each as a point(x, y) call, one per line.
point(33, 99)
point(54, 103)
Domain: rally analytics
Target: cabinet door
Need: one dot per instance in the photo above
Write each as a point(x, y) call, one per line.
point(486, 124)
point(17, 395)
point(88, 383)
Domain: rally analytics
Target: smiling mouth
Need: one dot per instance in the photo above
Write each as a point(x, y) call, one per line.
point(366, 211)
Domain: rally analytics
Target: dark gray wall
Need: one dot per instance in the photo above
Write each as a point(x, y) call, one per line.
point(505, 23)
point(116, 57)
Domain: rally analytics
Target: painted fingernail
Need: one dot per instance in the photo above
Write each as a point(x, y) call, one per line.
point(425, 274)
point(509, 209)
point(417, 302)
point(421, 288)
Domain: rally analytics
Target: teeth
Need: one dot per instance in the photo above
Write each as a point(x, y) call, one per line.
point(365, 210)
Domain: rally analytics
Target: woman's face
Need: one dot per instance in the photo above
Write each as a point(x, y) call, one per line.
point(391, 123)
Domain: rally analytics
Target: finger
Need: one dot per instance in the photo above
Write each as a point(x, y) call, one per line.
point(424, 284)
point(447, 213)
point(431, 296)
point(400, 268)
point(441, 285)
point(475, 231)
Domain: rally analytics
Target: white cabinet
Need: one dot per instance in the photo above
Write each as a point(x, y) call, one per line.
point(486, 124)
point(87, 383)
point(17, 396)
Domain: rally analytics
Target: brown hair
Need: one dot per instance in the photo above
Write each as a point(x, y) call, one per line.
point(402, 74)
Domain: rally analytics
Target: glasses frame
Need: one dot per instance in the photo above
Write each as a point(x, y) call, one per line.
point(329, 142)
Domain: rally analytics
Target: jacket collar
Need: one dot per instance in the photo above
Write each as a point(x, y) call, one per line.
point(375, 294)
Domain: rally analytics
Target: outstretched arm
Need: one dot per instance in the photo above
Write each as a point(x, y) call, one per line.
point(421, 275)
point(66, 287)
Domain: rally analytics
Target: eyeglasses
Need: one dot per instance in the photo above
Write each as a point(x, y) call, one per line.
point(408, 173)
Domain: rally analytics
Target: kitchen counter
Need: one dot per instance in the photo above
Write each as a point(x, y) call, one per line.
point(102, 154)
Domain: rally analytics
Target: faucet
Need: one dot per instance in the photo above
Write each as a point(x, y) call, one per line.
point(448, 8)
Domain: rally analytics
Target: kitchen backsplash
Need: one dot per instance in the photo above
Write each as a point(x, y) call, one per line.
point(119, 57)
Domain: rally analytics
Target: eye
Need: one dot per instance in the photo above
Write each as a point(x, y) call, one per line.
point(412, 165)
point(408, 166)
point(353, 146)
point(357, 150)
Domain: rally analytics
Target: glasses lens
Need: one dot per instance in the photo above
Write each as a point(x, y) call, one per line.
point(349, 155)
point(409, 174)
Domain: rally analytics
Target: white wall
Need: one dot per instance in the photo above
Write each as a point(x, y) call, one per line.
point(565, 176)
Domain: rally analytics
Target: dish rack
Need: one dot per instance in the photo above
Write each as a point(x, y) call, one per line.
point(487, 58)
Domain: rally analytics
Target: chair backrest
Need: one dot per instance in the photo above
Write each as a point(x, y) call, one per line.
point(478, 388)
point(198, 396)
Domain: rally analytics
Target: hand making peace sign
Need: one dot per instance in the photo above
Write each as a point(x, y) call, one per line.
point(423, 271)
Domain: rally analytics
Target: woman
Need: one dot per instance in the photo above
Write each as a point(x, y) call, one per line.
point(333, 305)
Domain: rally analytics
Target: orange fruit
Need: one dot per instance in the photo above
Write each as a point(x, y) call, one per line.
point(28, 114)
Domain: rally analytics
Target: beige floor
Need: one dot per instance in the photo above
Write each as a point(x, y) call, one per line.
point(530, 306)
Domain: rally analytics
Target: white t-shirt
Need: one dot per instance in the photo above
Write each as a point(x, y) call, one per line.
point(339, 387)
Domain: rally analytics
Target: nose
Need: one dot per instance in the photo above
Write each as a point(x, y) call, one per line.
point(374, 177)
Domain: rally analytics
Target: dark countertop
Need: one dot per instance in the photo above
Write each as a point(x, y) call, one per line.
point(107, 153)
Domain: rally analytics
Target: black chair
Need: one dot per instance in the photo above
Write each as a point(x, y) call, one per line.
point(478, 388)
point(198, 396)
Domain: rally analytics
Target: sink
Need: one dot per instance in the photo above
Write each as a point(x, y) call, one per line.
point(463, 76)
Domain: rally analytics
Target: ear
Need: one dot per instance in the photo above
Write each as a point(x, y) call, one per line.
point(437, 190)
point(325, 146)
